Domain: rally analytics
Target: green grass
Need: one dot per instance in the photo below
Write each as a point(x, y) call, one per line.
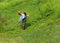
point(43, 25)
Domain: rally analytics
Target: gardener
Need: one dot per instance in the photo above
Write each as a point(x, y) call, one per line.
point(23, 18)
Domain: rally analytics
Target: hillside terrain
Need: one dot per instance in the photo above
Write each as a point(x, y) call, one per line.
point(43, 24)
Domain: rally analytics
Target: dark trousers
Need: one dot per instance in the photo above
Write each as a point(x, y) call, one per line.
point(24, 23)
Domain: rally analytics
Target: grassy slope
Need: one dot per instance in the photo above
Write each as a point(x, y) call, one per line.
point(43, 26)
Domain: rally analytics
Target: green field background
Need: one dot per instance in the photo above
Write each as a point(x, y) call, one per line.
point(43, 24)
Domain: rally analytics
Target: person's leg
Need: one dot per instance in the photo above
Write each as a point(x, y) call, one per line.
point(24, 23)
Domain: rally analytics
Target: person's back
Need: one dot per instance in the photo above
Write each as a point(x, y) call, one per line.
point(22, 16)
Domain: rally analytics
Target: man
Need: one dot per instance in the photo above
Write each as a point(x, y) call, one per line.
point(23, 17)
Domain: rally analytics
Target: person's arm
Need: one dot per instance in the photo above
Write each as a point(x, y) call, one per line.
point(20, 19)
point(27, 16)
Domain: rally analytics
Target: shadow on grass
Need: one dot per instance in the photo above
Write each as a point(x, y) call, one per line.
point(27, 25)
